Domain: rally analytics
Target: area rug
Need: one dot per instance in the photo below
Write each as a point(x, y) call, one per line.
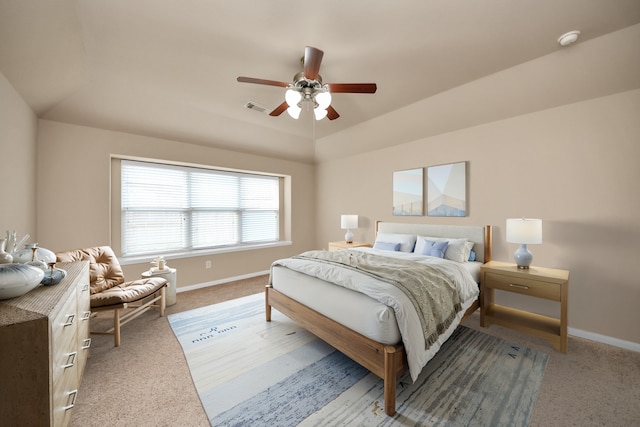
point(249, 372)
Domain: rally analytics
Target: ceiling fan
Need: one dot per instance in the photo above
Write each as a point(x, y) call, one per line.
point(307, 86)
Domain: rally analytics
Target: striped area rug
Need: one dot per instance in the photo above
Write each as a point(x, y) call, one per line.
point(249, 372)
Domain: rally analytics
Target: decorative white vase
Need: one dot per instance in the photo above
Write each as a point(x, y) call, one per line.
point(53, 275)
point(18, 279)
point(5, 257)
point(26, 254)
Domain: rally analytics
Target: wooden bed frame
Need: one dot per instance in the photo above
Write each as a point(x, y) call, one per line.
point(386, 361)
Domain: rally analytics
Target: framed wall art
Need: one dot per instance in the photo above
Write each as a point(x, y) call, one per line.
point(447, 190)
point(408, 193)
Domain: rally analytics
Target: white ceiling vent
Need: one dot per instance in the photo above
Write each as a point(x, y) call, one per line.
point(258, 107)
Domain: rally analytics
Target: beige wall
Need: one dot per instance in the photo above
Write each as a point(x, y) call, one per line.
point(18, 130)
point(74, 195)
point(575, 166)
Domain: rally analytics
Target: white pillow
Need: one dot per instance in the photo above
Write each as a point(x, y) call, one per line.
point(458, 249)
point(407, 241)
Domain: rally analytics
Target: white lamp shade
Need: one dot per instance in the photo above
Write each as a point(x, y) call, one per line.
point(320, 113)
point(323, 99)
point(348, 222)
point(294, 111)
point(292, 97)
point(524, 230)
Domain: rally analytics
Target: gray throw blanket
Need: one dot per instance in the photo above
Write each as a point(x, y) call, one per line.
point(431, 292)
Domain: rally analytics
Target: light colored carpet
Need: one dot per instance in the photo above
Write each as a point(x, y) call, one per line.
point(146, 381)
point(250, 372)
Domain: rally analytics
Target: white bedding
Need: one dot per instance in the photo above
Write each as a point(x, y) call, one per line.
point(370, 306)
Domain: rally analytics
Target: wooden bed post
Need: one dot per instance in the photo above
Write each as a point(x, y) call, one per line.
point(390, 368)
point(488, 243)
point(267, 308)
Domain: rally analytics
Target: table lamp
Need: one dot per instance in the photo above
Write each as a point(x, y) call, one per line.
point(348, 222)
point(524, 231)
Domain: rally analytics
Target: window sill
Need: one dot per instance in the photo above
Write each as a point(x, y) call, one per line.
point(192, 254)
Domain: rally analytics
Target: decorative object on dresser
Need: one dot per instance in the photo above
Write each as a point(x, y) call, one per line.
point(110, 291)
point(18, 279)
point(53, 275)
point(547, 283)
point(44, 344)
point(524, 231)
point(5, 257)
point(33, 252)
point(348, 222)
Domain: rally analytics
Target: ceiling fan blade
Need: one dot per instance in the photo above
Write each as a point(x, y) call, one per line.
point(262, 81)
point(352, 87)
point(312, 60)
point(332, 114)
point(279, 109)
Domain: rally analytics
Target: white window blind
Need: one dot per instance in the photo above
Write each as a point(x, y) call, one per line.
point(167, 208)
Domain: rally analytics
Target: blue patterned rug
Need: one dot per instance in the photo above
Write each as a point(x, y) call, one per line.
point(249, 372)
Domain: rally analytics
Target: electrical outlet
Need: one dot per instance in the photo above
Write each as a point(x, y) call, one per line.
point(207, 264)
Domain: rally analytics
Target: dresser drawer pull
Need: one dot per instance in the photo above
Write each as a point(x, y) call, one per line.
point(86, 315)
point(70, 319)
point(71, 360)
point(86, 343)
point(513, 285)
point(85, 288)
point(73, 395)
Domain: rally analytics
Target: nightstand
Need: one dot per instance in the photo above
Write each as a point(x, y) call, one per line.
point(336, 246)
point(546, 283)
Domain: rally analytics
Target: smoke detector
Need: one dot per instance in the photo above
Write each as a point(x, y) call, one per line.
point(568, 38)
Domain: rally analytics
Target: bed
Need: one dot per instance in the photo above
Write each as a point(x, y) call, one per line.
point(365, 327)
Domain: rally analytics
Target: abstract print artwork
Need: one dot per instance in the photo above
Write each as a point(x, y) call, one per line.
point(446, 190)
point(408, 192)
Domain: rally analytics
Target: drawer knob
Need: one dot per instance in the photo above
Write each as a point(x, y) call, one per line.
point(71, 360)
point(70, 319)
point(513, 285)
point(71, 396)
point(86, 315)
point(86, 343)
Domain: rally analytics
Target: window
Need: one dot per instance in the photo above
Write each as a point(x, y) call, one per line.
point(168, 208)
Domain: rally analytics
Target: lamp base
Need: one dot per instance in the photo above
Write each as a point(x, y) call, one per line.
point(348, 237)
point(523, 257)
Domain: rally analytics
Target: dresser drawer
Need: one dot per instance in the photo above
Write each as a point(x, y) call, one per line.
point(64, 329)
point(523, 285)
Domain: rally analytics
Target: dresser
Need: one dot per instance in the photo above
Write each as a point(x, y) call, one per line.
point(44, 345)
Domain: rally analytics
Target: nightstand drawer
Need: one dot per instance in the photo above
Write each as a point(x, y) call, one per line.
point(523, 285)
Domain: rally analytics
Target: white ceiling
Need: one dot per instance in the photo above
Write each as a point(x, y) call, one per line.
point(168, 68)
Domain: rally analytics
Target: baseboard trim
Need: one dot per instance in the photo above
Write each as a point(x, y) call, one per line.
point(616, 342)
point(220, 282)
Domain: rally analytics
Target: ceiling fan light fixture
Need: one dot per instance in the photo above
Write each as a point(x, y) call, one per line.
point(323, 98)
point(294, 111)
point(308, 86)
point(293, 98)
